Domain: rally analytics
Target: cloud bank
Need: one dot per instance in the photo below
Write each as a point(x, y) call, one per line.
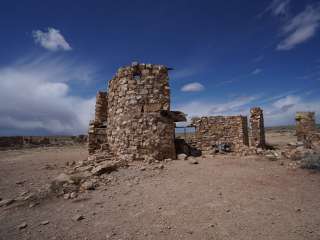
point(35, 97)
point(300, 28)
point(279, 7)
point(51, 40)
point(192, 87)
point(279, 111)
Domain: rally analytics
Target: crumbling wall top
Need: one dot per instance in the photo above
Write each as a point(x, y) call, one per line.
point(305, 115)
point(140, 69)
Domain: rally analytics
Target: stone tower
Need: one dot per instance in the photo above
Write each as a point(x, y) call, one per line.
point(257, 134)
point(136, 116)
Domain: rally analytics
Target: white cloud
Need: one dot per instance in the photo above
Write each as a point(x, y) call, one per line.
point(235, 106)
point(279, 7)
point(52, 40)
point(283, 111)
point(286, 101)
point(300, 28)
point(280, 111)
point(256, 71)
point(193, 87)
point(36, 97)
point(238, 105)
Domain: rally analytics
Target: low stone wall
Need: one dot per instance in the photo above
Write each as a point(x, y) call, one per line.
point(216, 130)
point(11, 142)
point(16, 142)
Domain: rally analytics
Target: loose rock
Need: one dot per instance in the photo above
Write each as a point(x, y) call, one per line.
point(104, 168)
point(161, 166)
point(66, 196)
point(22, 225)
point(182, 156)
point(6, 202)
point(44, 222)
point(78, 217)
point(193, 161)
point(73, 195)
point(62, 178)
point(143, 168)
point(88, 185)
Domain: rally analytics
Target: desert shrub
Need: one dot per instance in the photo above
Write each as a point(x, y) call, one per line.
point(311, 162)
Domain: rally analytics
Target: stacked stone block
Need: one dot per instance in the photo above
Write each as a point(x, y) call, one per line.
point(101, 109)
point(215, 130)
point(257, 134)
point(97, 134)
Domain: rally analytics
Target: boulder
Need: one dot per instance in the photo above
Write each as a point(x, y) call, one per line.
point(193, 161)
point(107, 167)
point(259, 151)
point(182, 156)
point(62, 178)
point(22, 225)
point(271, 157)
point(46, 222)
point(78, 217)
point(88, 185)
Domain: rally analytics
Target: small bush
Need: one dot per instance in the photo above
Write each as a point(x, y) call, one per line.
point(311, 162)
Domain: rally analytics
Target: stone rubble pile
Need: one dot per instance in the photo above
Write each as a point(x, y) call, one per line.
point(85, 175)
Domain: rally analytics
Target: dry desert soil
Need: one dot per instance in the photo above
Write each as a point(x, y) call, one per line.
point(222, 197)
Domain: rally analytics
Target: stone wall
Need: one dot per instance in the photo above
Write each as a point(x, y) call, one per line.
point(306, 129)
point(97, 134)
point(16, 142)
point(216, 130)
point(257, 133)
point(305, 125)
point(11, 142)
point(101, 110)
point(139, 124)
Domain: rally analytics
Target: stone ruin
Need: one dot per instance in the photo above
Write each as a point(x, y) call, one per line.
point(257, 136)
point(306, 130)
point(232, 131)
point(305, 125)
point(133, 120)
point(216, 130)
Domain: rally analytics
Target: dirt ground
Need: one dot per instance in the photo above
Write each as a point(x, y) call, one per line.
point(223, 197)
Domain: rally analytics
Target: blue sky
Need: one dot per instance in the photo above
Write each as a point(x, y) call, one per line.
point(228, 56)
